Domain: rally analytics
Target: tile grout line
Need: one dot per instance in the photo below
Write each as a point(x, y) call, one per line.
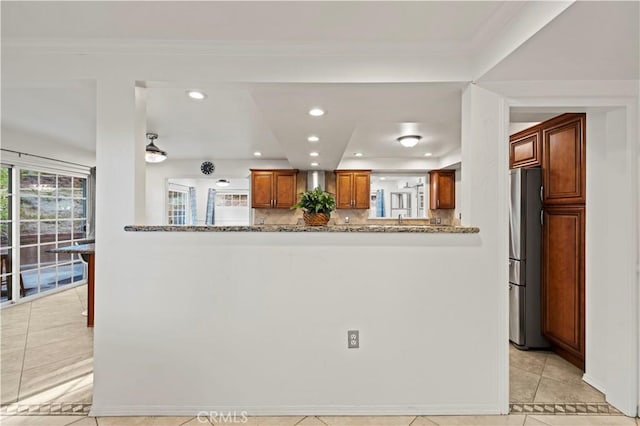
point(535, 394)
point(413, 421)
point(24, 353)
point(321, 421)
point(181, 424)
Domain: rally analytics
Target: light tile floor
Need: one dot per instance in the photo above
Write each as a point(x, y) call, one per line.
point(544, 377)
point(47, 358)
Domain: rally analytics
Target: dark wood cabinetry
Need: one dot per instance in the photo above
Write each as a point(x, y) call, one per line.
point(273, 189)
point(564, 161)
point(353, 188)
point(442, 189)
point(525, 149)
point(563, 296)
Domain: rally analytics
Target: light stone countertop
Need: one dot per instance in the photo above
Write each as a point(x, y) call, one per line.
point(425, 229)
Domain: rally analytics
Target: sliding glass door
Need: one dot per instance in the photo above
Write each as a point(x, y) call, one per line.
point(51, 212)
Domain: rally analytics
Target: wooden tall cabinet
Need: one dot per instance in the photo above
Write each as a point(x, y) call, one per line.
point(563, 296)
point(564, 162)
point(442, 189)
point(353, 189)
point(273, 189)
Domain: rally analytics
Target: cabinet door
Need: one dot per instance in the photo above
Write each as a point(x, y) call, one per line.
point(564, 160)
point(361, 190)
point(525, 150)
point(442, 189)
point(344, 185)
point(262, 190)
point(563, 297)
point(285, 189)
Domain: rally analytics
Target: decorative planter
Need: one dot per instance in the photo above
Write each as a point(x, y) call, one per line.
point(315, 219)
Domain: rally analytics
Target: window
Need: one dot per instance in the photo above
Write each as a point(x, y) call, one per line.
point(53, 213)
point(232, 200)
point(178, 206)
point(6, 240)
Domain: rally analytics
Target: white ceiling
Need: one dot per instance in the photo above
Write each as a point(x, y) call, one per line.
point(591, 40)
point(293, 22)
point(597, 40)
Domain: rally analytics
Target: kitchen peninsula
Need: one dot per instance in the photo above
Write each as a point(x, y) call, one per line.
point(426, 229)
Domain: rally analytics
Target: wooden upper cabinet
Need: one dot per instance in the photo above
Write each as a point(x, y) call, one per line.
point(564, 159)
point(525, 148)
point(563, 292)
point(273, 189)
point(442, 189)
point(353, 189)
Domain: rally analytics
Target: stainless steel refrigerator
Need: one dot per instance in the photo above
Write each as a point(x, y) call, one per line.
point(525, 253)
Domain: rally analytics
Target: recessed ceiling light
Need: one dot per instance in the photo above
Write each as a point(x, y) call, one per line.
point(313, 138)
point(358, 154)
point(428, 154)
point(196, 94)
point(383, 178)
point(313, 154)
point(409, 141)
point(257, 154)
point(314, 164)
point(316, 112)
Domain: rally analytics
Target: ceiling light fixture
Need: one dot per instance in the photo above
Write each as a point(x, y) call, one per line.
point(383, 178)
point(358, 154)
point(153, 154)
point(314, 164)
point(409, 141)
point(314, 154)
point(428, 154)
point(316, 112)
point(313, 138)
point(223, 182)
point(197, 95)
point(257, 154)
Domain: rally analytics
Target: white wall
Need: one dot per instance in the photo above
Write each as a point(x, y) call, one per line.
point(43, 145)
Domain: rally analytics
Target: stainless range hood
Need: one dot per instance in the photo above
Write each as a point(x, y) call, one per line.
point(315, 179)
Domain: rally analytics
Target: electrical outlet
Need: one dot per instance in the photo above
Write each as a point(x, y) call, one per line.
point(353, 339)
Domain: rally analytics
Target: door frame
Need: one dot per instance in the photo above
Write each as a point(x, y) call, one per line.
point(621, 391)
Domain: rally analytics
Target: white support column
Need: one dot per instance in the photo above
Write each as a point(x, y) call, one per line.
point(484, 184)
point(120, 144)
point(120, 197)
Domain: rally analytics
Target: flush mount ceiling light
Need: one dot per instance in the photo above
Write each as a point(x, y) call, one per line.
point(428, 154)
point(257, 154)
point(153, 154)
point(383, 178)
point(409, 141)
point(197, 95)
point(223, 182)
point(313, 138)
point(357, 154)
point(314, 154)
point(314, 164)
point(316, 112)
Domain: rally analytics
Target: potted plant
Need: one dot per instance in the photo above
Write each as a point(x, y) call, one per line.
point(317, 206)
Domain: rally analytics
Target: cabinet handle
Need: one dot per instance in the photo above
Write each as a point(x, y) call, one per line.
point(438, 203)
point(542, 193)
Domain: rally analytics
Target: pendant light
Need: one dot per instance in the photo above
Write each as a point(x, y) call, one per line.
point(153, 154)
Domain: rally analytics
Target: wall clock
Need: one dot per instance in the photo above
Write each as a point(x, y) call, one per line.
point(207, 167)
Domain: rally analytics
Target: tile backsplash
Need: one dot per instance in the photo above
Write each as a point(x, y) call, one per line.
point(338, 217)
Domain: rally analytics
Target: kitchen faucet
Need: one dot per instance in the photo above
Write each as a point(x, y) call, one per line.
point(400, 219)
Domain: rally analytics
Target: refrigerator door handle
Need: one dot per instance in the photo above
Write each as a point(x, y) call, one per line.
point(542, 193)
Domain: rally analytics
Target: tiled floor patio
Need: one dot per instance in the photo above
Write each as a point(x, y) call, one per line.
point(47, 365)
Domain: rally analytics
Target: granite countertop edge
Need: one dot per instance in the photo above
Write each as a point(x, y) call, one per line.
point(417, 229)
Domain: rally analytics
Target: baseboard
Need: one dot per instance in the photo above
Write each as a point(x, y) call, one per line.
point(593, 382)
point(300, 410)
